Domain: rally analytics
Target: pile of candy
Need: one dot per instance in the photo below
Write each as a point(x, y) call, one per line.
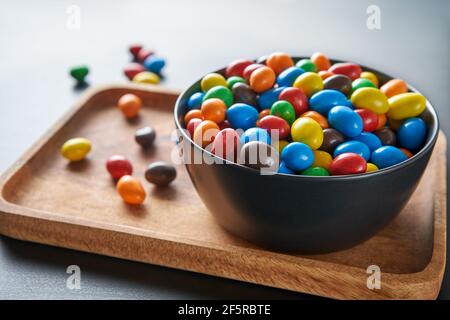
point(119, 167)
point(321, 119)
point(146, 68)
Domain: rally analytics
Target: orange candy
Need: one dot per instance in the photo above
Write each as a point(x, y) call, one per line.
point(262, 79)
point(264, 113)
point(131, 190)
point(193, 114)
point(381, 121)
point(406, 152)
point(321, 120)
point(325, 74)
point(205, 132)
point(279, 62)
point(130, 105)
point(214, 109)
point(394, 87)
point(321, 61)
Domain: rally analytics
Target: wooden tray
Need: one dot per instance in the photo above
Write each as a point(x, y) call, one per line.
point(44, 199)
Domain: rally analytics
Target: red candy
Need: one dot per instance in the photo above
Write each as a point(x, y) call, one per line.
point(236, 68)
point(351, 70)
point(249, 70)
point(133, 69)
point(192, 124)
point(134, 49)
point(224, 124)
point(144, 54)
point(226, 144)
point(369, 118)
point(118, 166)
point(347, 163)
point(275, 123)
point(297, 98)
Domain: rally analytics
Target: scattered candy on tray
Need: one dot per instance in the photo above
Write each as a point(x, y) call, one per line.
point(146, 67)
point(130, 105)
point(118, 166)
point(329, 119)
point(145, 137)
point(131, 190)
point(76, 149)
point(79, 73)
point(160, 173)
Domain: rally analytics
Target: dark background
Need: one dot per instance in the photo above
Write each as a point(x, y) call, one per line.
point(37, 48)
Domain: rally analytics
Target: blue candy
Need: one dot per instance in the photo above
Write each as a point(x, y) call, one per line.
point(352, 146)
point(387, 156)
point(284, 169)
point(369, 139)
point(269, 97)
point(154, 64)
point(412, 133)
point(255, 134)
point(288, 76)
point(195, 101)
point(346, 121)
point(324, 100)
point(297, 156)
point(242, 116)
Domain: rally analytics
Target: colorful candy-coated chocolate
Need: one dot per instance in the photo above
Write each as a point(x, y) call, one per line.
point(262, 79)
point(144, 54)
point(297, 98)
point(263, 113)
point(322, 159)
point(257, 155)
point(231, 81)
point(321, 61)
point(353, 146)
point(331, 139)
point(406, 105)
point(242, 93)
point(387, 136)
point(212, 80)
point(318, 117)
point(407, 153)
point(249, 70)
point(323, 101)
point(361, 83)
point(283, 109)
point(382, 119)
point(348, 163)
point(214, 109)
point(131, 190)
point(297, 156)
point(346, 121)
point(130, 105)
point(195, 100)
point(134, 49)
point(224, 125)
point(371, 167)
point(338, 82)
point(394, 124)
point(133, 69)
point(370, 98)
point(160, 173)
point(280, 145)
point(145, 137)
point(325, 74)
point(269, 97)
point(308, 131)
point(394, 87)
point(412, 133)
point(387, 156)
point(255, 134)
point(369, 118)
point(118, 166)
point(279, 61)
point(193, 114)
point(154, 64)
point(309, 82)
point(351, 70)
point(370, 76)
point(306, 65)
point(192, 125)
point(220, 92)
point(205, 132)
point(79, 73)
point(226, 144)
point(288, 76)
point(242, 116)
point(369, 139)
point(277, 124)
point(236, 68)
point(315, 171)
point(284, 169)
point(146, 77)
point(76, 149)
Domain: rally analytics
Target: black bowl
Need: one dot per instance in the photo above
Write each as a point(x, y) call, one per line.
point(304, 214)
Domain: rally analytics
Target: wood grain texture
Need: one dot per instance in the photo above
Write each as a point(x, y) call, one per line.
point(44, 199)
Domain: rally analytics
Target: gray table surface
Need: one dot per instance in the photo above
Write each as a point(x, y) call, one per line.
point(37, 48)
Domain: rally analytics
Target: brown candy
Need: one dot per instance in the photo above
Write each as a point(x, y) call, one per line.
point(244, 94)
point(331, 139)
point(160, 173)
point(387, 136)
point(145, 137)
point(257, 155)
point(338, 82)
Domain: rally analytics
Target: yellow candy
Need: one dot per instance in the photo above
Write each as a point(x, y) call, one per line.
point(406, 105)
point(146, 77)
point(212, 80)
point(371, 167)
point(322, 159)
point(309, 82)
point(371, 99)
point(308, 131)
point(280, 145)
point(370, 76)
point(76, 149)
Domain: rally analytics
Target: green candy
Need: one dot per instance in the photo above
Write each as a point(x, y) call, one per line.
point(307, 65)
point(315, 171)
point(361, 83)
point(220, 92)
point(283, 109)
point(231, 81)
point(79, 73)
